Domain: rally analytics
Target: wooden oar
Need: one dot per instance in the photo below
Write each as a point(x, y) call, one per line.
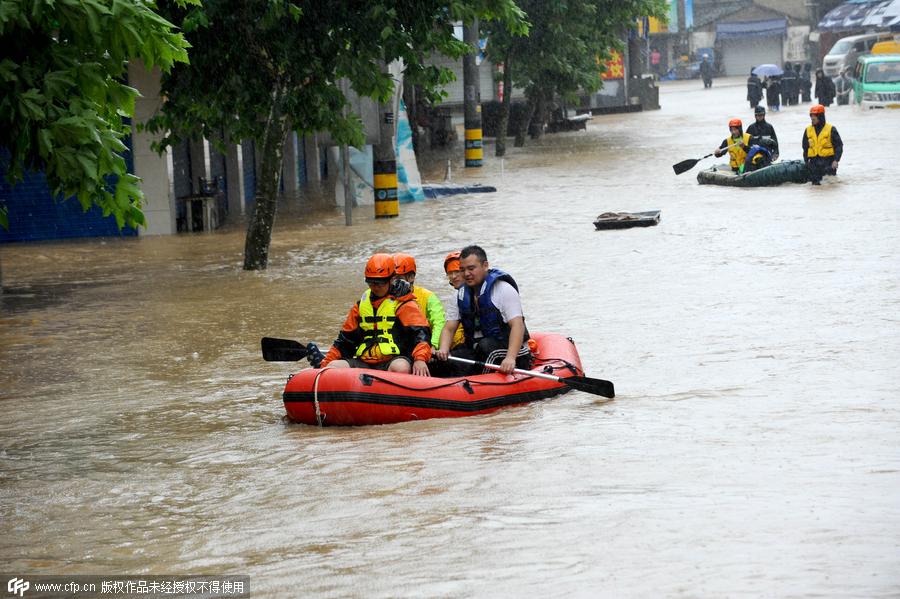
point(686, 165)
point(582, 383)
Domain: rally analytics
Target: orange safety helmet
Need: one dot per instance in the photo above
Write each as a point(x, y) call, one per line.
point(451, 262)
point(817, 109)
point(379, 268)
point(404, 264)
point(735, 123)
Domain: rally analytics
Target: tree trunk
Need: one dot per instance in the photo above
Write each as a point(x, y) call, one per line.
point(526, 122)
point(503, 124)
point(539, 116)
point(259, 229)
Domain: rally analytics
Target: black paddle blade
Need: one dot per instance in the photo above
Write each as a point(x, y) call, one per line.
point(282, 350)
point(589, 385)
point(685, 165)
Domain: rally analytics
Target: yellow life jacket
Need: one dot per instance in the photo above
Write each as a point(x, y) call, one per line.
point(459, 337)
point(737, 152)
point(378, 339)
point(819, 145)
point(422, 296)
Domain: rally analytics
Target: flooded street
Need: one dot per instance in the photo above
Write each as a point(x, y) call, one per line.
point(753, 448)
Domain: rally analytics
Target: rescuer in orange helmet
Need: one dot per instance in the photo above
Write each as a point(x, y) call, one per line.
point(822, 146)
point(455, 277)
point(736, 145)
point(385, 329)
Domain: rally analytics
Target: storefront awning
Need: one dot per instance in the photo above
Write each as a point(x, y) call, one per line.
point(751, 28)
point(862, 14)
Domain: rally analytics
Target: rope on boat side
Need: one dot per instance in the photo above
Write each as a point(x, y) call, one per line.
point(316, 397)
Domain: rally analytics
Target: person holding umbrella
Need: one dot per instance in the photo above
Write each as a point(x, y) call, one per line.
point(772, 85)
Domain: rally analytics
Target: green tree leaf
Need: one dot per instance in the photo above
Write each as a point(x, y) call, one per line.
point(62, 102)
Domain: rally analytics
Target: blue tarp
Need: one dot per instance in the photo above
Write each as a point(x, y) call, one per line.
point(862, 14)
point(741, 29)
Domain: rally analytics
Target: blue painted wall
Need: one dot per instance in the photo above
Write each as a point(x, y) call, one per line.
point(35, 215)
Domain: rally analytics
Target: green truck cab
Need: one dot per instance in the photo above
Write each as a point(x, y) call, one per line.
point(876, 81)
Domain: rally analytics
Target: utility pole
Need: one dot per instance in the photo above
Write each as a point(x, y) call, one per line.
point(472, 97)
point(813, 14)
point(387, 205)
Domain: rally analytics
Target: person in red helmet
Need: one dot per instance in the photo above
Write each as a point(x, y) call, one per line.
point(428, 302)
point(736, 145)
point(822, 146)
point(384, 330)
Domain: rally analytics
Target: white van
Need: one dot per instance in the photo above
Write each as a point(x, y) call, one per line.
point(846, 50)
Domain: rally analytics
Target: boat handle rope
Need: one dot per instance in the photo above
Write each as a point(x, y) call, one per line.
point(461, 381)
point(316, 396)
point(566, 364)
point(464, 382)
point(368, 378)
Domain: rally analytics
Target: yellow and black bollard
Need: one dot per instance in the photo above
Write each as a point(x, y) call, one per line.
point(474, 151)
point(387, 204)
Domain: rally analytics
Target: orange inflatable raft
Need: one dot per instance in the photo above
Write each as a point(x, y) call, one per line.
point(355, 396)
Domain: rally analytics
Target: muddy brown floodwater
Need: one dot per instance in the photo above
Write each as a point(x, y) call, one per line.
point(753, 449)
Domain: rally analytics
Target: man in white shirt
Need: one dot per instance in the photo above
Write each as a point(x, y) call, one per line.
point(490, 310)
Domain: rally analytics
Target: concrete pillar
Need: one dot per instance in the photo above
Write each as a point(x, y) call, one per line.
point(311, 155)
point(234, 179)
point(290, 172)
point(333, 157)
point(154, 170)
point(199, 163)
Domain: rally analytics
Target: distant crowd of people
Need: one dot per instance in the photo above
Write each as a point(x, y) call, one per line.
point(796, 85)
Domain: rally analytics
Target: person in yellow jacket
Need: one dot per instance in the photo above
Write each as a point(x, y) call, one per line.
point(822, 146)
point(736, 146)
point(384, 330)
point(429, 303)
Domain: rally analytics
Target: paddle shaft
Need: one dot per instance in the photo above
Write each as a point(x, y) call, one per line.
point(686, 165)
point(580, 383)
point(540, 375)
